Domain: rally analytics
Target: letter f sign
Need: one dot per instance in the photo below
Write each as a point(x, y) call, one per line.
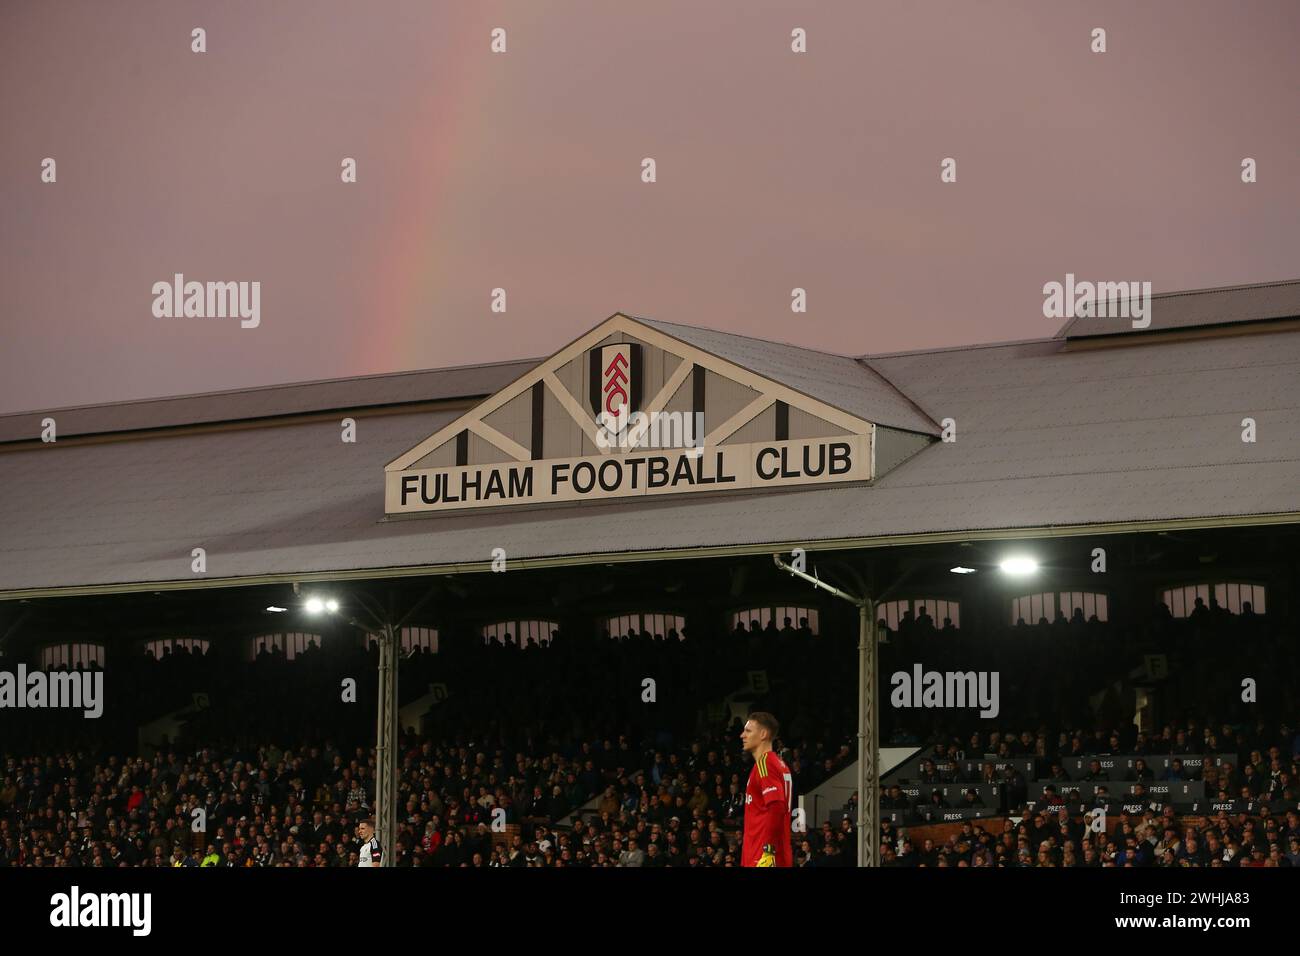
point(616, 379)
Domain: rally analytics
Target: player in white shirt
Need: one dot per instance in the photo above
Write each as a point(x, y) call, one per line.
point(370, 851)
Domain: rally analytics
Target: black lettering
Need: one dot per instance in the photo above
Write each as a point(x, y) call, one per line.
point(494, 485)
point(821, 461)
point(723, 478)
point(758, 464)
point(445, 489)
point(840, 457)
point(409, 483)
point(618, 476)
point(684, 469)
point(558, 473)
point(424, 489)
point(577, 481)
point(521, 487)
point(701, 473)
point(785, 469)
point(466, 484)
point(635, 464)
point(657, 469)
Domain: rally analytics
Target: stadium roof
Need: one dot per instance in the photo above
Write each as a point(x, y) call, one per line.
point(1199, 308)
point(1049, 440)
point(838, 380)
point(271, 401)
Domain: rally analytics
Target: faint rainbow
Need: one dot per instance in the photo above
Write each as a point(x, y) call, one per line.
point(409, 267)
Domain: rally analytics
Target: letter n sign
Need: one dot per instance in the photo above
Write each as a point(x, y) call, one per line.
point(615, 375)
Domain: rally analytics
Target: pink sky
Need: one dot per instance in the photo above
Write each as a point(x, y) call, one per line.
point(522, 171)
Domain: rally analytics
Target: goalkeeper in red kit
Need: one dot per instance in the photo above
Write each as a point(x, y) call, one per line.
point(767, 797)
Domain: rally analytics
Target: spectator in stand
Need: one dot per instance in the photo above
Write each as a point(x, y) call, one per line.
point(632, 856)
point(1141, 772)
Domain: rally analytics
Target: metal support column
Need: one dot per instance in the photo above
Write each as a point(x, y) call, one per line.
point(868, 817)
point(386, 746)
point(868, 822)
point(869, 796)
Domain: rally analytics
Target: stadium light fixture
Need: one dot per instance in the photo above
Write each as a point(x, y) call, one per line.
point(1019, 566)
point(317, 605)
point(960, 570)
point(277, 610)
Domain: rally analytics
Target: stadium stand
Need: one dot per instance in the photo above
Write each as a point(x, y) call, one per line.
point(528, 737)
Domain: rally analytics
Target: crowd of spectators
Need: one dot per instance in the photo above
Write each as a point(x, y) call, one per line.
point(1057, 838)
point(1247, 799)
point(527, 735)
point(300, 806)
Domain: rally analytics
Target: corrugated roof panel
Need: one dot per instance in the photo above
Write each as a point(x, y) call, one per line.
point(1029, 385)
point(837, 380)
point(1197, 308)
point(268, 402)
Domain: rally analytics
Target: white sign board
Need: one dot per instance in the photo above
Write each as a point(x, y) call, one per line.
point(811, 461)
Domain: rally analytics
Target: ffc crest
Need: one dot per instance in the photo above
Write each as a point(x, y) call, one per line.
point(615, 378)
point(616, 381)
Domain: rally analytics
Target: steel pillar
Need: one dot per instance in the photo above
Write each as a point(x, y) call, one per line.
point(386, 746)
point(868, 821)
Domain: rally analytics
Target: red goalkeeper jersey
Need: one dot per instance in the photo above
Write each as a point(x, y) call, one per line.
point(768, 797)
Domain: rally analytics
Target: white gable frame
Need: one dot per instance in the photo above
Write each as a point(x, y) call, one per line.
point(769, 391)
